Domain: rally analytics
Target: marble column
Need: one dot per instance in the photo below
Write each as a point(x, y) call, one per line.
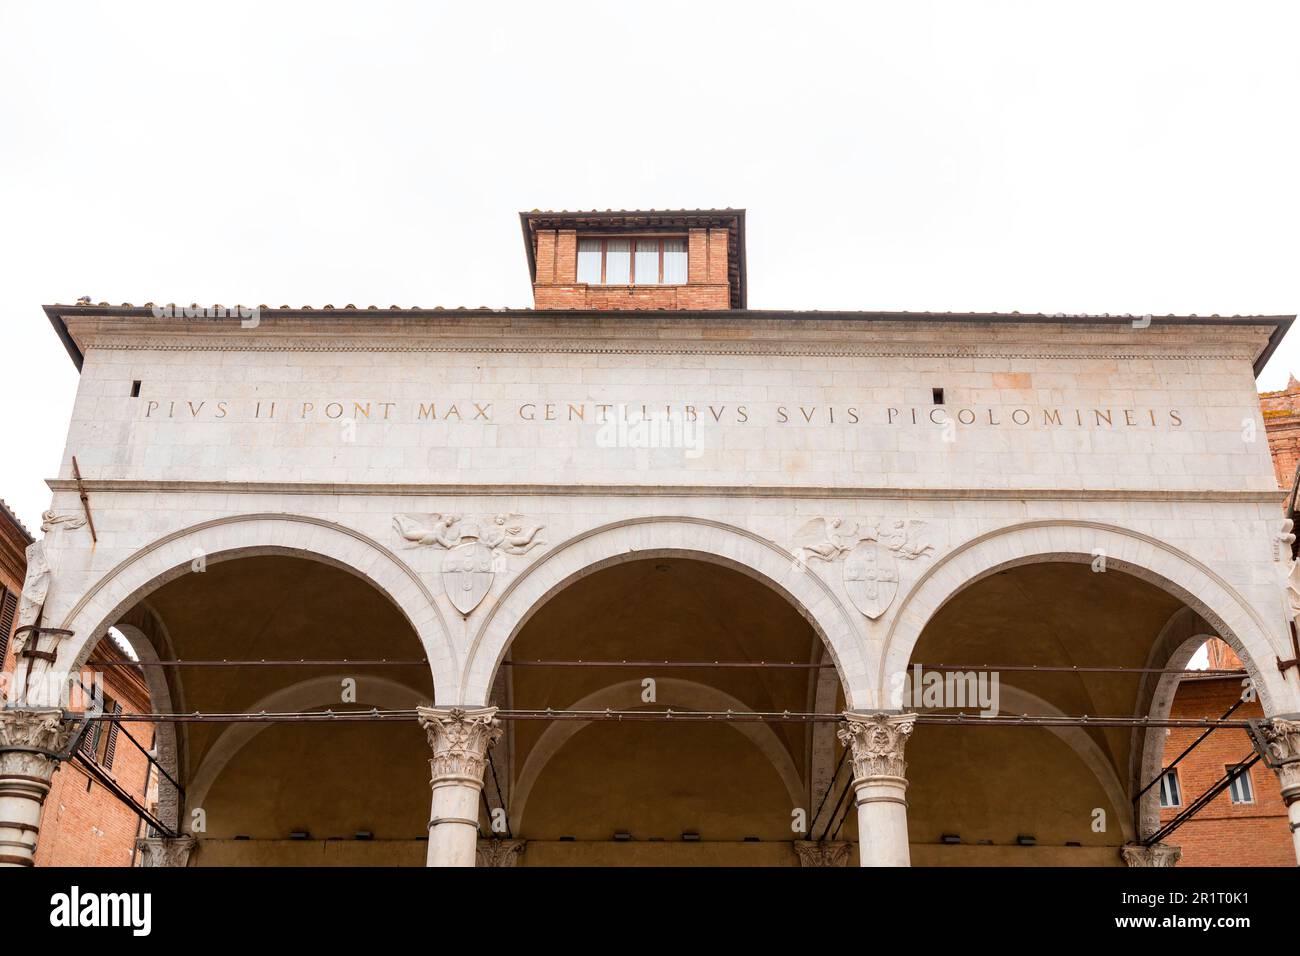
point(822, 852)
point(1158, 854)
point(1282, 738)
point(460, 738)
point(876, 742)
point(30, 742)
point(165, 851)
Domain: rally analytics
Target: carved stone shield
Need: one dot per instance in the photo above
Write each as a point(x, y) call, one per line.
point(871, 578)
point(467, 574)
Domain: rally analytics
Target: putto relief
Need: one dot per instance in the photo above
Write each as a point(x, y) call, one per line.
point(476, 547)
point(868, 552)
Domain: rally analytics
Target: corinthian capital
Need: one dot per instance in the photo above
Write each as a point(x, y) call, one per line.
point(30, 741)
point(165, 851)
point(877, 742)
point(1282, 738)
point(500, 852)
point(460, 738)
point(818, 853)
point(1158, 854)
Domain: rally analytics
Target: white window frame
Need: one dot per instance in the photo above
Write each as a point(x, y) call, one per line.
point(1242, 786)
point(1171, 789)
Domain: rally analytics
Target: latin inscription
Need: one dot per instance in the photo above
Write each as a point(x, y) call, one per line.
point(602, 413)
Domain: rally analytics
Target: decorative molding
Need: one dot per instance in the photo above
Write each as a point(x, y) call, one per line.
point(36, 588)
point(877, 742)
point(679, 346)
point(818, 853)
point(900, 492)
point(51, 520)
point(870, 551)
point(1157, 855)
point(500, 852)
point(460, 738)
point(476, 548)
point(165, 851)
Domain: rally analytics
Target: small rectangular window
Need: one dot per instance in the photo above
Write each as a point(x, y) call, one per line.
point(1240, 788)
point(937, 393)
point(1171, 794)
point(135, 389)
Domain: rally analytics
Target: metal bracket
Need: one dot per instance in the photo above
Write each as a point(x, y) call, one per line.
point(1284, 666)
point(85, 499)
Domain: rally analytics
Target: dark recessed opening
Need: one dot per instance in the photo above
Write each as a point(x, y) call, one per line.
point(938, 395)
point(135, 389)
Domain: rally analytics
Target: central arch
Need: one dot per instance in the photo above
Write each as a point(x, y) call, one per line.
point(670, 537)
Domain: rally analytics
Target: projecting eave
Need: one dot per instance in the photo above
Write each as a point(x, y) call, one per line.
point(60, 314)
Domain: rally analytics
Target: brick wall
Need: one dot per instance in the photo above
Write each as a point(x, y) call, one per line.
point(1281, 411)
point(83, 824)
point(556, 285)
point(1224, 833)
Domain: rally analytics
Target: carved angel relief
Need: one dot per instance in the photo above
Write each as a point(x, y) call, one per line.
point(871, 552)
point(476, 546)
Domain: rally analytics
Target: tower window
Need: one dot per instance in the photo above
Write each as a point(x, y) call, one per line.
point(633, 261)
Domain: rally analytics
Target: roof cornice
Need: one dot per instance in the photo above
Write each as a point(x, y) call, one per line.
point(1279, 324)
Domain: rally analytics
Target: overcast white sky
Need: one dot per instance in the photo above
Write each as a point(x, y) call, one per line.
point(1040, 156)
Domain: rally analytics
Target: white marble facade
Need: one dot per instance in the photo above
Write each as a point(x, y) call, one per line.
point(808, 451)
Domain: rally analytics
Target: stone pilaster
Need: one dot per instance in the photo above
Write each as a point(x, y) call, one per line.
point(31, 742)
point(165, 851)
point(877, 743)
point(1158, 854)
point(459, 738)
point(500, 852)
point(1282, 739)
point(36, 685)
point(822, 852)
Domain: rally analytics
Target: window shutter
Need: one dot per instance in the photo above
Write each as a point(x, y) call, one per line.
point(89, 740)
point(111, 746)
point(8, 608)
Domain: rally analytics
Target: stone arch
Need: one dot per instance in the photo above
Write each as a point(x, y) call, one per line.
point(627, 694)
point(237, 536)
point(682, 537)
point(311, 694)
point(1197, 586)
point(1179, 641)
point(146, 633)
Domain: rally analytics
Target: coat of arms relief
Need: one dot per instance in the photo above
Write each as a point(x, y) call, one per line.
point(476, 547)
point(870, 553)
